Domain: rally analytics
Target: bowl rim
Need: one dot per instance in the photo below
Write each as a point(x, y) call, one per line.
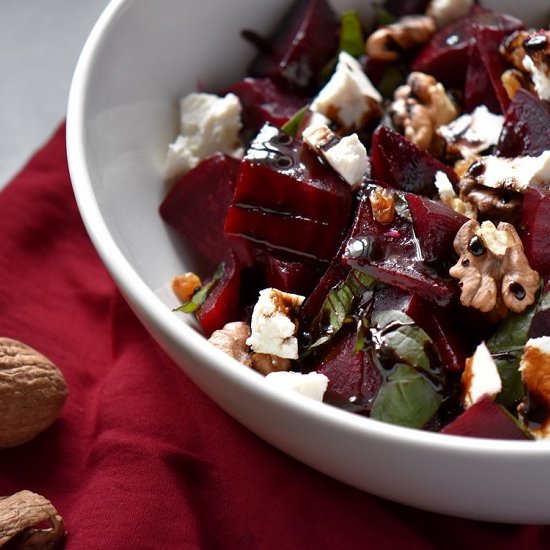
point(140, 295)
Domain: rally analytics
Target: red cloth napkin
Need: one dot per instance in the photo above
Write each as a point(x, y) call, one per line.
point(140, 458)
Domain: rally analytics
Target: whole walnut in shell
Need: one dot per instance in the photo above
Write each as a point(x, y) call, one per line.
point(32, 392)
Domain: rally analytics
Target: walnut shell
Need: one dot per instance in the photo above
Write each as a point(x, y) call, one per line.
point(32, 392)
point(29, 521)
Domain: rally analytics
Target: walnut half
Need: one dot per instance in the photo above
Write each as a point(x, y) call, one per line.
point(420, 107)
point(387, 42)
point(231, 339)
point(494, 273)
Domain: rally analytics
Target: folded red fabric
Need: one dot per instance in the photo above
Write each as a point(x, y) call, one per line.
point(140, 457)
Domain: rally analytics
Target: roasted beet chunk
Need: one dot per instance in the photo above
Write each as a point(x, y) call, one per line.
point(223, 303)
point(305, 41)
point(335, 274)
point(290, 275)
point(197, 203)
point(486, 419)
point(391, 253)
point(399, 163)
point(354, 378)
point(446, 55)
point(263, 101)
point(287, 200)
point(435, 226)
point(439, 323)
point(485, 67)
point(535, 218)
point(526, 129)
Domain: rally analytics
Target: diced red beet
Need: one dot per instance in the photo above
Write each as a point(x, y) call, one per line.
point(197, 204)
point(223, 303)
point(354, 378)
point(540, 325)
point(447, 336)
point(389, 252)
point(526, 130)
point(535, 218)
point(435, 226)
point(287, 200)
point(280, 232)
point(400, 164)
point(264, 101)
point(486, 419)
point(488, 41)
point(375, 68)
point(290, 275)
point(446, 54)
point(304, 42)
point(336, 272)
point(478, 88)
point(448, 339)
point(485, 67)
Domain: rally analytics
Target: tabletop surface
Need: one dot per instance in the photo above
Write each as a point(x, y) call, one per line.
point(40, 41)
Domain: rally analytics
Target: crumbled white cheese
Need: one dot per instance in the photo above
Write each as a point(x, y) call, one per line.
point(448, 196)
point(346, 95)
point(315, 118)
point(535, 371)
point(480, 377)
point(540, 77)
point(208, 123)
point(349, 158)
point(444, 186)
point(313, 384)
point(542, 345)
point(274, 323)
point(447, 11)
point(473, 133)
point(346, 155)
point(516, 173)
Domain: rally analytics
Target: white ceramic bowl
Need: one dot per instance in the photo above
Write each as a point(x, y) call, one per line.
point(139, 59)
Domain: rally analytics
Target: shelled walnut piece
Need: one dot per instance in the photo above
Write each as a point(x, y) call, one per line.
point(383, 205)
point(21, 518)
point(420, 107)
point(528, 52)
point(231, 339)
point(494, 273)
point(32, 392)
point(387, 42)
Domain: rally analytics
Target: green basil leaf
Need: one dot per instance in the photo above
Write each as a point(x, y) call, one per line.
point(339, 303)
point(392, 77)
point(400, 335)
point(406, 399)
point(352, 40)
point(512, 385)
point(293, 123)
point(511, 335)
point(506, 346)
point(201, 294)
point(383, 16)
point(363, 338)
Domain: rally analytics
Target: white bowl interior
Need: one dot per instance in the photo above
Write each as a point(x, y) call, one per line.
point(140, 58)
